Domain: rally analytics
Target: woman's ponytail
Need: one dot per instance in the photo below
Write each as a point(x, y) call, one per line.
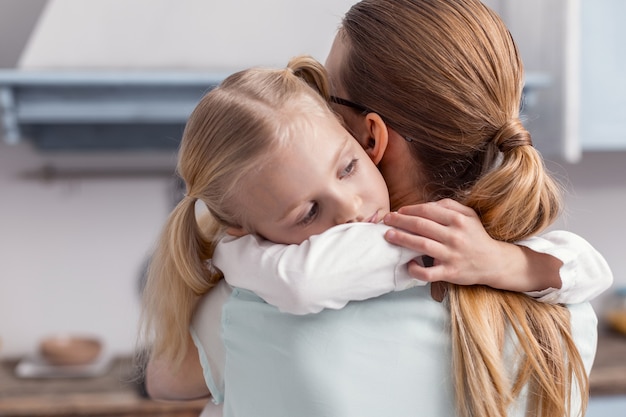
point(516, 198)
point(486, 324)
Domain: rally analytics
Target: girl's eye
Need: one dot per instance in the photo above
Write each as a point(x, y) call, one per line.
point(349, 169)
point(311, 215)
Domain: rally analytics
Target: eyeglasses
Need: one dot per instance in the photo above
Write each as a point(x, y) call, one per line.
point(351, 104)
point(361, 108)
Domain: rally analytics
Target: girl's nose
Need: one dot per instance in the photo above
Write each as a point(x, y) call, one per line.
point(348, 209)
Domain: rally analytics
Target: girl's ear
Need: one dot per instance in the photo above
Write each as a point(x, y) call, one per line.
point(237, 231)
point(378, 137)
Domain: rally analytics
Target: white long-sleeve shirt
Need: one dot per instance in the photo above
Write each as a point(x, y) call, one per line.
point(354, 262)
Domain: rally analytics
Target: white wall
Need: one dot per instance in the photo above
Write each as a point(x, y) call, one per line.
point(71, 250)
point(220, 35)
point(595, 201)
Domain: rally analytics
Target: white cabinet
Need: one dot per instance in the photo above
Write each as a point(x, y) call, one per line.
point(579, 47)
point(603, 75)
point(544, 31)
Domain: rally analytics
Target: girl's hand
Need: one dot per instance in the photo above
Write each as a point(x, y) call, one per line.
point(463, 252)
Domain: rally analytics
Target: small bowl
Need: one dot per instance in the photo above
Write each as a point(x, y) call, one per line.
point(70, 350)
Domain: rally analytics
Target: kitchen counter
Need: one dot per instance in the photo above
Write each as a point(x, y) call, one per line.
point(112, 394)
point(608, 375)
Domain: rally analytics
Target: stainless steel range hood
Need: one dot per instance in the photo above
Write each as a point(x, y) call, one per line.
point(114, 111)
point(90, 110)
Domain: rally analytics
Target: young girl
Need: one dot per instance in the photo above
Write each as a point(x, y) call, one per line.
point(258, 150)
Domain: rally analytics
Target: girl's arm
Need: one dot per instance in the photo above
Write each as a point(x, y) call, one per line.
point(347, 262)
point(165, 381)
point(558, 267)
point(351, 262)
point(201, 373)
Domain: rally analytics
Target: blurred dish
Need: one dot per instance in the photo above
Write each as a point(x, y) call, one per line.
point(64, 350)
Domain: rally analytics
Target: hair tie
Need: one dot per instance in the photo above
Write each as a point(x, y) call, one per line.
point(511, 135)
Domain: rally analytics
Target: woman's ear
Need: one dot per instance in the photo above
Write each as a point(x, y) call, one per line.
point(378, 137)
point(237, 231)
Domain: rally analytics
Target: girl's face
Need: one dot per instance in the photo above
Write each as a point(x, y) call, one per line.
point(317, 180)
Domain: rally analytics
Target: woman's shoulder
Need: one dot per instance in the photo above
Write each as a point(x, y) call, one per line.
point(210, 305)
point(206, 333)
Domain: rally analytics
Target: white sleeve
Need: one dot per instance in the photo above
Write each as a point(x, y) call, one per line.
point(347, 262)
point(584, 273)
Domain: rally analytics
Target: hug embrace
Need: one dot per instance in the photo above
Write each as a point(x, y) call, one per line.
point(373, 240)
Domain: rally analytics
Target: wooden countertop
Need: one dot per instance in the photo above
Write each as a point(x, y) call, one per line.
point(112, 394)
point(608, 375)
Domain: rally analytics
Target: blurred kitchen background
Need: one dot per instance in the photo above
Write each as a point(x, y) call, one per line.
point(94, 94)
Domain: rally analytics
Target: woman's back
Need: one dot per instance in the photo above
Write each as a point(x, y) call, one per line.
point(373, 358)
point(384, 356)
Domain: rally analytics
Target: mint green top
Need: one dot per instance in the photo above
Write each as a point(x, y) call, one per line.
point(386, 356)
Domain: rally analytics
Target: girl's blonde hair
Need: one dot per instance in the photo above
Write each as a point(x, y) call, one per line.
point(447, 75)
point(226, 138)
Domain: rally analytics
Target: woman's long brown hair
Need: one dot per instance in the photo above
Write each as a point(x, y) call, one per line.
point(447, 74)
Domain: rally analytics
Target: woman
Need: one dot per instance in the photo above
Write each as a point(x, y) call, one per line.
point(476, 98)
point(392, 354)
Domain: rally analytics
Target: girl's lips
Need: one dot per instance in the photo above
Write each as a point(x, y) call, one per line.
point(373, 218)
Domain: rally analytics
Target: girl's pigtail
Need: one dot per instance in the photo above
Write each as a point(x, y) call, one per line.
point(178, 275)
point(311, 71)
